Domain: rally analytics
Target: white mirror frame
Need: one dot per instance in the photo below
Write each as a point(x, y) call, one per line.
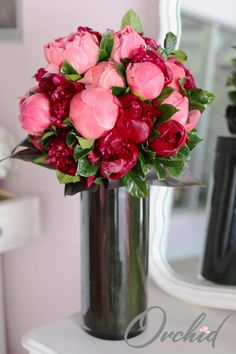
point(196, 291)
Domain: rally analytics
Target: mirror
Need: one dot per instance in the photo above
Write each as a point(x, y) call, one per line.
point(176, 255)
point(209, 45)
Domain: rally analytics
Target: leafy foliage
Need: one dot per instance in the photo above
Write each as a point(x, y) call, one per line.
point(133, 20)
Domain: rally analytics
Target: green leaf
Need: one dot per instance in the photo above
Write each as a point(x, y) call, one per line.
point(46, 137)
point(63, 178)
point(106, 46)
point(68, 122)
point(170, 42)
point(175, 168)
point(99, 180)
point(133, 20)
point(73, 77)
point(67, 69)
point(149, 154)
point(165, 93)
point(86, 143)
point(182, 154)
point(121, 69)
point(167, 111)
point(85, 168)
point(145, 163)
point(118, 91)
point(199, 99)
point(71, 138)
point(194, 140)
point(180, 56)
point(232, 96)
point(135, 184)
point(40, 160)
point(233, 61)
point(160, 170)
point(79, 153)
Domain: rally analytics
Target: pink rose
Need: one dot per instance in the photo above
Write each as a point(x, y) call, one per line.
point(104, 75)
point(125, 42)
point(145, 79)
point(178, 74)
point(35, 114)
point(94, 111)
point(80, 49)
point(188, 119)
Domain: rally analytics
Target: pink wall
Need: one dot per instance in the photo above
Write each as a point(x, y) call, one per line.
point(42, 278)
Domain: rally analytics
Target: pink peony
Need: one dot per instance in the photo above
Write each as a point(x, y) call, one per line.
point(94, 111)
point(125, 42)
point(145, 79)
point(188, 119)
point(178, 74)
point(55, 51)
point(104, 75)
point(141, 55)
point(35, 114)
point(80, 49)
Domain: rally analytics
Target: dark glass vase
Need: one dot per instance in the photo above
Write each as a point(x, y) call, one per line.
point(114, 253)
point(219, 263)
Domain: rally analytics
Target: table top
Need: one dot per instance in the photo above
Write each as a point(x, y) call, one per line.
point(67, 337)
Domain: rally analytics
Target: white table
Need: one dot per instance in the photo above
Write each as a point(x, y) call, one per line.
point(67, 337)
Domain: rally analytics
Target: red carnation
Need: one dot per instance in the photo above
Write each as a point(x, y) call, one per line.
point(136, 119)
point(141, 55)
point(118, 156)
point(172, 138)
point(60, 155)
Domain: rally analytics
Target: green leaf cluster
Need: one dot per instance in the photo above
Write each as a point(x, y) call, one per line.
point(106, 46)
point(70, 73)
point(200, 99)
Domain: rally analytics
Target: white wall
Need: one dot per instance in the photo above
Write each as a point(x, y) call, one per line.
point(221, 10)
point(42, 278)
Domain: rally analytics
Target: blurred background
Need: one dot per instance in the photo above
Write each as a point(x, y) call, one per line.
point(41, 281)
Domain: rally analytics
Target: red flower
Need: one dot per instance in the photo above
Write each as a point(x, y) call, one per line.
point(136, 119)
point(142, 55)
point(118, 156)
point(60, 155)
point(189, 79)
point(172, 138)
point(151, 43)
point(60, 92)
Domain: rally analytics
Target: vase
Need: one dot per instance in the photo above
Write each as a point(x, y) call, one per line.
point(219, 262)
point(114, 254)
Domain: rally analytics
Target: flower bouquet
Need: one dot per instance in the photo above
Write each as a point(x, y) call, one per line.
point(112, 110)
point(112, 107)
